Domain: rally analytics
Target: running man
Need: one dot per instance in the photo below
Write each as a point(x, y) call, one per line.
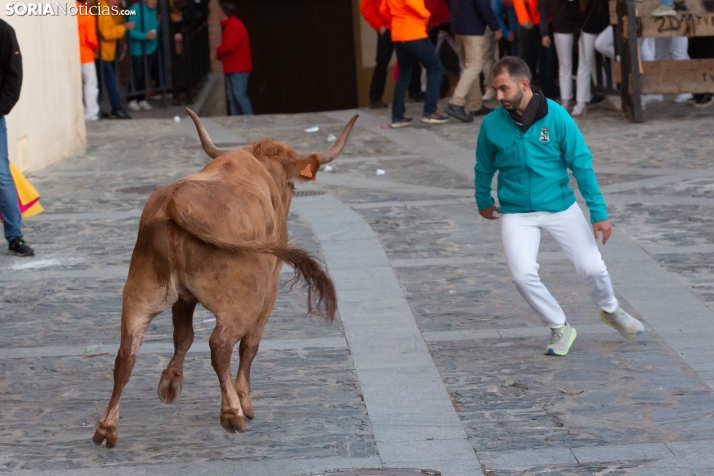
point(532, 142)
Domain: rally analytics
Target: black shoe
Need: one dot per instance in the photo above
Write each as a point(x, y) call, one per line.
point(379, 104)
point(704, 101)
point(458, 112)
point(119, 115)
point(596, 99)
point(481, 112)
point(18, 247)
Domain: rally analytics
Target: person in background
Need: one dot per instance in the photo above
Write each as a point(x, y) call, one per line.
point(370, 12)
point(531, 49)
point(88, 45)
point(566, 19)
point(469, 19)
point(111, 28)
point(506, 16)
point(596, 19)
point(10, 85)
point(144, 48)
point(234, 53)
point(408, 19)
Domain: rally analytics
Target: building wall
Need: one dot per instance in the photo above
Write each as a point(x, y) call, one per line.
point(47, 124)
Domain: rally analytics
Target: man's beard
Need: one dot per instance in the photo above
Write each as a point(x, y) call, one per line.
point(514, 103)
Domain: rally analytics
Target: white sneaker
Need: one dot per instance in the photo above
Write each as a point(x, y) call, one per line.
point(578, 110)
point(560, 340)
point(682, 98)
point(133, 105)
point(145, 105)
point(490, 95)
point(652, 98)
point(622, 322)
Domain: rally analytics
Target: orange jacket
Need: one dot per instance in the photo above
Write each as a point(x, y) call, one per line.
point(111, 29)
point(370, 11)
point(527, 10)
point(87, 27)
point(407, 18)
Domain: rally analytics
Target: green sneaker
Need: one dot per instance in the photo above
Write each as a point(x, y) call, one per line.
point(560, 340)
point(622, 322)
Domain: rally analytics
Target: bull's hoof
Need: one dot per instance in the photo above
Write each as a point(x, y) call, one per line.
point(105, 432)
point(246, 406)
point(233, 423)
point(170, 386)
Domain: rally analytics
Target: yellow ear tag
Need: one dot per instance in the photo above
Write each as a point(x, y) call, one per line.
point(306, 172)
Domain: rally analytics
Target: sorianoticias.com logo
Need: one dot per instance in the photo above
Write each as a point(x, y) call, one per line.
point(64, 9)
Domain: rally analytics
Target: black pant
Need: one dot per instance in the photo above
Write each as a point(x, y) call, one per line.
point(385, 48)
point(140, 73)
point(542, 61)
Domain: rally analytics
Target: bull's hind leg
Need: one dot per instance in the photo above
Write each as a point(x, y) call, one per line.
point(134, 321)
point(172, 378)
point(222, 341)
point(248, 349)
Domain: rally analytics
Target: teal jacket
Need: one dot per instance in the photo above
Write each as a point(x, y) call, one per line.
point(146, 19)
point(533, 165)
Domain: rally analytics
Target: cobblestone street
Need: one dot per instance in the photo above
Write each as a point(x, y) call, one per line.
point(435, 361)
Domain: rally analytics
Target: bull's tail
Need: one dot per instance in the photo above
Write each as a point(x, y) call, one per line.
point(306, 268)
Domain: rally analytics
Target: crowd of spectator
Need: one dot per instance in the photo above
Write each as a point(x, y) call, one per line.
point(549, 35)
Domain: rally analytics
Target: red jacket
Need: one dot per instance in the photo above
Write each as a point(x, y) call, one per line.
point(439, 12)
point(370, 11)
point(234, 50)
point(527, 10)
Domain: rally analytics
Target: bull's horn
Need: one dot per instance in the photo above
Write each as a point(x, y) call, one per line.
point(336, 149)
point(211, 150)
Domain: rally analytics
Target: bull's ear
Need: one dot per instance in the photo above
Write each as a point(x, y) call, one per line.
point(305, 169)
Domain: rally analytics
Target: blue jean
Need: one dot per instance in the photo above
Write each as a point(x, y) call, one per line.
point(139, 74)
point(236, 90)
point(9, 208)
point(410, 53)
point(668, 2)
point(112, 83)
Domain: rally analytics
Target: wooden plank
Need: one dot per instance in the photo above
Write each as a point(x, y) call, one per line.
point(700, 13)
point(674, 77)
point(686, 24)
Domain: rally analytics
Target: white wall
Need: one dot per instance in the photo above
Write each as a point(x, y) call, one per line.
point(47, 123)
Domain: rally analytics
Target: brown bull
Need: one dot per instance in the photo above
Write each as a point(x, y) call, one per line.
point(218, 237)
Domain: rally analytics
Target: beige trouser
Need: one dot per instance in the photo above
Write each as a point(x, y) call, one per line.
point(489, 57)
point(469, 86)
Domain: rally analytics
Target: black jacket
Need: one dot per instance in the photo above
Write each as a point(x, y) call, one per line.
point(565, 16)
point(10, 69)
point(470, 17)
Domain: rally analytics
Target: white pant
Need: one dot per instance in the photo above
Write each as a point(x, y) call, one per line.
point(564, 48)
point(586, 67)
point(521, 239)
point(663, 49)
point(91, 91)
point(605, 42)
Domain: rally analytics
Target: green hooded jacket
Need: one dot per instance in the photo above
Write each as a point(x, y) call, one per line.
point(533, 165)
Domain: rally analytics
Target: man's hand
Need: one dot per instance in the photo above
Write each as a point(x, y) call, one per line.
point(498, 35)
point(546, 41)
point(511, 36)
point(527, 25)
point(490, 213)
point(602, 226)
point(150, 35)
point(129, 25)
point(382, 30)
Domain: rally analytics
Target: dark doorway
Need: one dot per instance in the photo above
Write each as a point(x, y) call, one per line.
point(303, 55)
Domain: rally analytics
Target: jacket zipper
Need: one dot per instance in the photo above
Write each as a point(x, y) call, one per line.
point(528, 170)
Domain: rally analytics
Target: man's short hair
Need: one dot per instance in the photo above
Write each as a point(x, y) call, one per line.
point(229, 9)
point(515, 67)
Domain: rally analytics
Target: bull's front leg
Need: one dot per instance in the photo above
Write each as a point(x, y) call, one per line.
point(222, 341)
point(172, 378)
point(133, 328)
